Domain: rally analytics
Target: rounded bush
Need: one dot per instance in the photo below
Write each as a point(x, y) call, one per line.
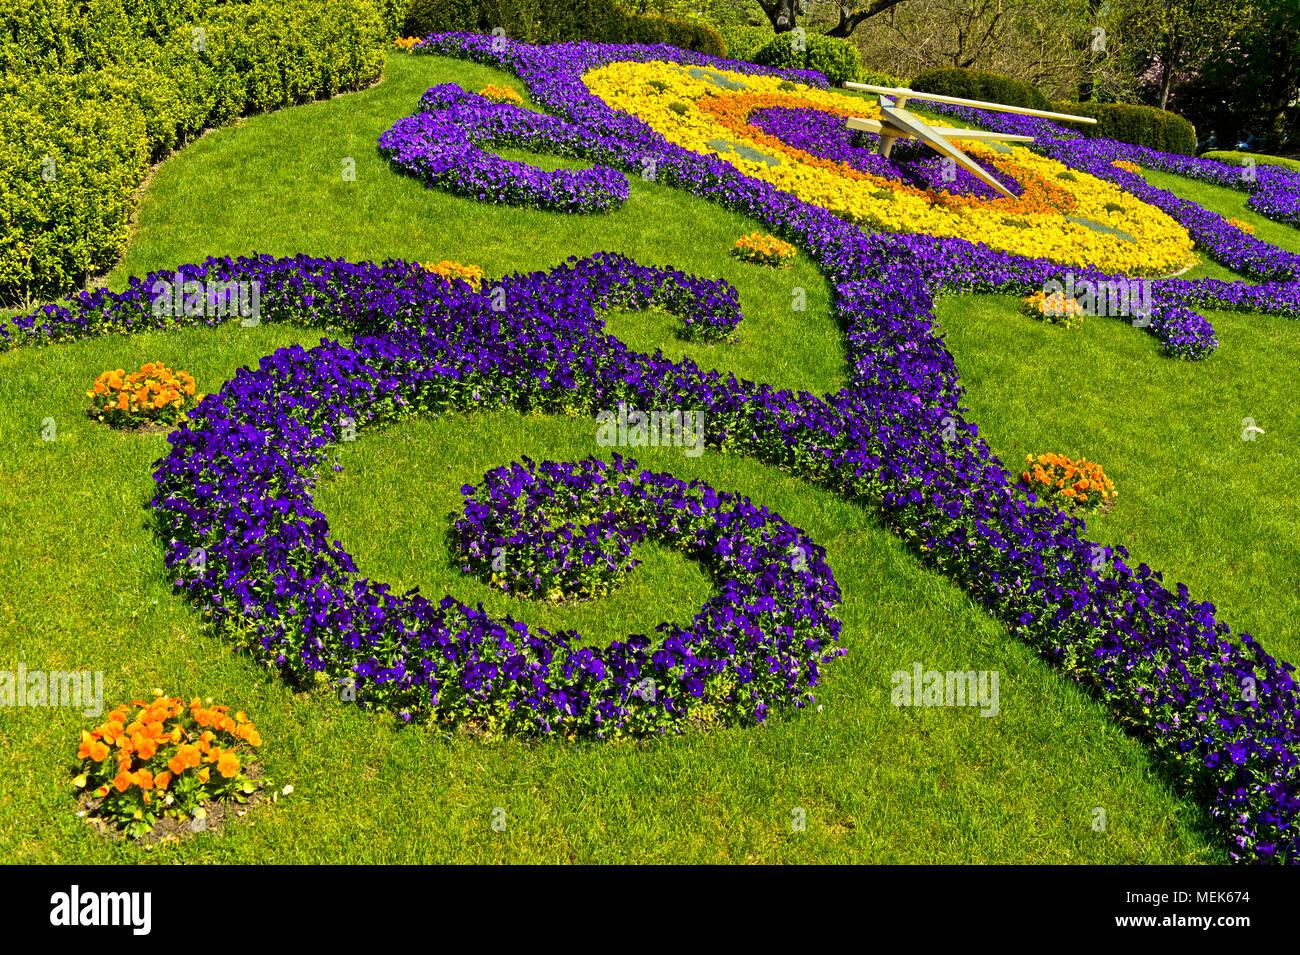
point(838, 60)
point(1137, 125)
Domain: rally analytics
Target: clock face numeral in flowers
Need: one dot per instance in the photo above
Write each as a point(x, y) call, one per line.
point(798, 558)
point(650, 170)
point(1249, 429)
point(798, 819)
point(799, 40)
point(1098, 39)
point(348, 691)
point(349, 169)
point(799, 299)
point(949, 428)
point(347, 429)
point(948, 169)
point(498, 299)
point(1248, 173)
point(499, 560)
point(498, 819)
point(1249, 690)
point(646, 690)
point(49, 430)
point(499, 42)
point(198, 39)
point(198, 561)
point(1099, 559)
point(1098, 819)
point(49, 169)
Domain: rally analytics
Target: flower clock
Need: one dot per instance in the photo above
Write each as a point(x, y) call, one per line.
point(237, 483)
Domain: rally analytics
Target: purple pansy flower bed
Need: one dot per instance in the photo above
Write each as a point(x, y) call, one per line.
point(443, 144)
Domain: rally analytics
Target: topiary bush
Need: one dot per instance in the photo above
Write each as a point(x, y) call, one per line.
point(743, 42)
point(89, 98)
point(837, 59)
point(1135, 124)
point(977, 84)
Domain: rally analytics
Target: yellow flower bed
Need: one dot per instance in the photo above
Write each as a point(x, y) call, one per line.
point(1034, 224)
point(1071, 483)
point(452, 271)
point(763, 250)
point(502, 94)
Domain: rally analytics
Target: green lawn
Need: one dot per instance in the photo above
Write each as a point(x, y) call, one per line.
point(1196, 501)
point(85, 589)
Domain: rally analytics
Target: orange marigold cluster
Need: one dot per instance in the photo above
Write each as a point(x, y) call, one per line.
point(1127, 166)
point(502, 94)
point(763, 249)
point(408, 42)
point(1058, 308)
point(451, 271)
point(1245, 227)
point(1081, 483)
point(155, 393)
point(142, 763)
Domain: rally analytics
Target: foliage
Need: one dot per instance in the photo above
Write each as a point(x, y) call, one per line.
point(837, 59)
point(1135, 124)
point(75, 142)
point(555, 21)
point(978, 84)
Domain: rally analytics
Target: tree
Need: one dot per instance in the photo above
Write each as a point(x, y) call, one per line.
point(849, 19)
point(1177, 36)
point(783, 13)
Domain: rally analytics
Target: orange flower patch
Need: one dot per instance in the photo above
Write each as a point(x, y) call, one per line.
point(1076, 484)
point(155, 394)
point(156, 761)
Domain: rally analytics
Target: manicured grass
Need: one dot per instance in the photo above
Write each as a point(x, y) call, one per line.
point(1196, 501)
point(85, 587)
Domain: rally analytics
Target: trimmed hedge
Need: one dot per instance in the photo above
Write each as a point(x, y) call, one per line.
point(1232, 157)
point(87, 104)
point(558, 21)
point(977, 84)
point(838, 59)
point(743, 42)
point(1136, 125)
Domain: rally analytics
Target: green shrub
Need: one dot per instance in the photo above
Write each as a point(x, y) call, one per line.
point(558, 21)
point(837, 59)
point(1135, 124)
point(744, 42)
point(880, 78)
point(76, 140)
point(1234, 158)
point(977, 84)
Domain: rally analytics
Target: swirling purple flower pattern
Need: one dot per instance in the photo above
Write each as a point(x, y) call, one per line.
point(445, 145)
